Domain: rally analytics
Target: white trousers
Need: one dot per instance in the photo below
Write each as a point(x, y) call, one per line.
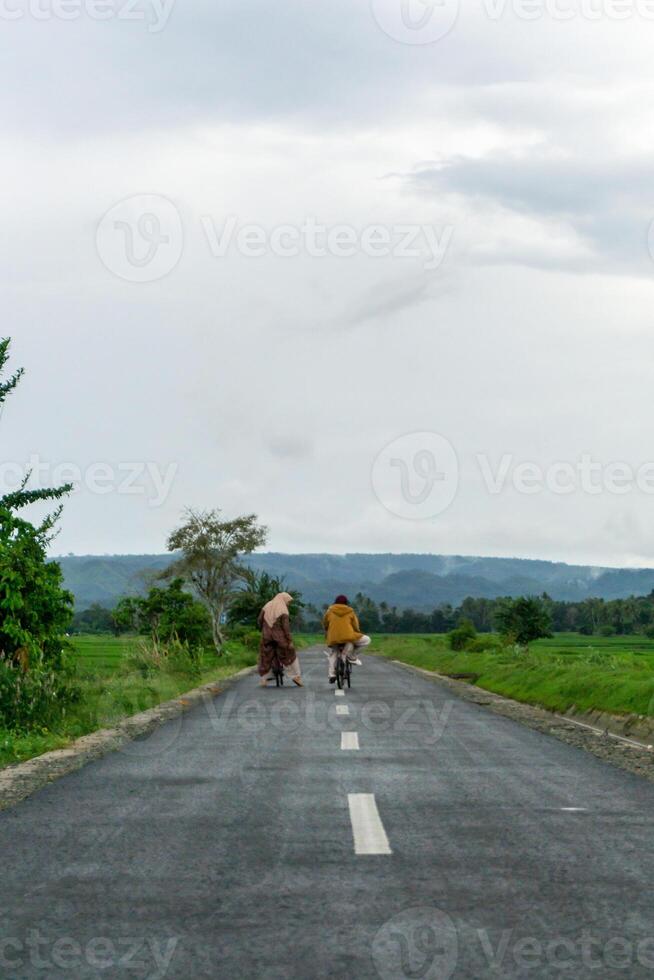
point(351, 652)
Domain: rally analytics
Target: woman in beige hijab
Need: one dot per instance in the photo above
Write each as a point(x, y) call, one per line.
point(275, 625)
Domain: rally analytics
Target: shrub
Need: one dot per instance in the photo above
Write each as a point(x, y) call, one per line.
point(165, 614)
point(149, 657)
point(462, 636)
point(606, 630)
point(483, 643)
point(34, 697)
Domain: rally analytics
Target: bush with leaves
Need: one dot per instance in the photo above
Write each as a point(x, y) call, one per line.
point(523, 620)
point(462, 636)
point(165, 614)
point(175, 656)
point(35, 609)
point(484, 644)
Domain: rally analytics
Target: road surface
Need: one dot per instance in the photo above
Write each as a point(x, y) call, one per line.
point(393, 832)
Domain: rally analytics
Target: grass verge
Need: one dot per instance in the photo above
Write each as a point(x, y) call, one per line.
point(589, 674)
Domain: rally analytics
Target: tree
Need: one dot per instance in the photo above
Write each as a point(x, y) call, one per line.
point(260, 588)
point(95, 619)
point(210, 553)
point(165, 614)
point(524, 619)
point(367, 613)
point(35, 610)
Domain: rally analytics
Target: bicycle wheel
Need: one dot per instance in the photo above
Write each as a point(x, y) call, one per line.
point(339, 673)
point(348, 673)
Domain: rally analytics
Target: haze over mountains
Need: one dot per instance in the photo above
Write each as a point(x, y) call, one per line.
point(418, 581)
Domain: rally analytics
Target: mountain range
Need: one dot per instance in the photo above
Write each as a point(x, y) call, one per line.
point(418, 581)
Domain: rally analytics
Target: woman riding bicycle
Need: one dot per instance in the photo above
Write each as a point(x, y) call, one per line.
point(276, 640)
point(342, 629)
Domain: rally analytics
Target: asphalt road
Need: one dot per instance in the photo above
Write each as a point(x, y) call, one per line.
point(253, 839)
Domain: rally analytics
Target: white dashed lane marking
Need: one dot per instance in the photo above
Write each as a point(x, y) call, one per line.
point(367, 828)
point(350, 740)
point(342, 709)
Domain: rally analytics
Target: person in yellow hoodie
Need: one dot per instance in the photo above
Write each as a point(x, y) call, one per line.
point(342, 627)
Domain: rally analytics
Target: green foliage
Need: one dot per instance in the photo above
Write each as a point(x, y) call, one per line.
point(462, 636)
point(249, 638)
point(606, 630)
point(95, 619)
point(165, 614)
point(34, 608)
point(34, 697)
point(483, 643)
point(210, 553)
point(523, 620)
point(176, 656)
point(260, 588)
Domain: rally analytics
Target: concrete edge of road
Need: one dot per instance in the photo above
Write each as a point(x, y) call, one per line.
point(590, 732)
point(24, 778)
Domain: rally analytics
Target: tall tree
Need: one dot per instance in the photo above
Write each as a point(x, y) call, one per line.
point(34, 608)
point(211, 550)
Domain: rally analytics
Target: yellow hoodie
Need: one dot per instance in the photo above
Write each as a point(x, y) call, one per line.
point(341, 625)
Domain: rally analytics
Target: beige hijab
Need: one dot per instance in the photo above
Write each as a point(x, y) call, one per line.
point(277, 607)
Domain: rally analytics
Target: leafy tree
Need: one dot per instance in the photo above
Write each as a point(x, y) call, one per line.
point(524, 619)
point(165, 614)
point(260, 588)
point(368, 613)
point(35, 610)
point(211, 550)
point(95, 619)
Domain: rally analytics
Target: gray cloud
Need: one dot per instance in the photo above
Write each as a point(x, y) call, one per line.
point(272, 383)
point(607, 204)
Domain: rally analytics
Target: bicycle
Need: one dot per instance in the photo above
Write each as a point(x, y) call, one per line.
point(277, 668)
point(343, 667)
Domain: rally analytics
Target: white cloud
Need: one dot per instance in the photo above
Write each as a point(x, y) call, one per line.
point(272, 383)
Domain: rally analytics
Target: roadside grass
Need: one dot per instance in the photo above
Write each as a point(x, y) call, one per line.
point(612, 674)
point(111, 689)
point(304, 640)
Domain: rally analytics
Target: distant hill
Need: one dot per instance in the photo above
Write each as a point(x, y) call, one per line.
point(419, 581)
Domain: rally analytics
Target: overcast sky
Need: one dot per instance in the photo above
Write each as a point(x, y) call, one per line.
point(447, 277)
